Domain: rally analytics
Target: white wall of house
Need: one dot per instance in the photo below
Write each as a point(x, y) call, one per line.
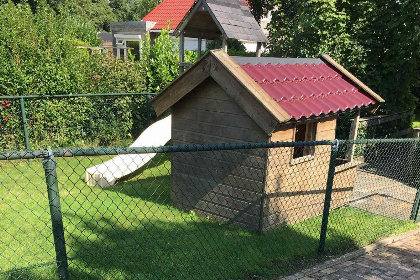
point(265, 21)
point(252, 46)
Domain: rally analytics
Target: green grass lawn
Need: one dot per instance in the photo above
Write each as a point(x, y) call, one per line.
point(131, 231)
point(416, 121)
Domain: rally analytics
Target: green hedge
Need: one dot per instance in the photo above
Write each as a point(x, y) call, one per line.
point(39, 56)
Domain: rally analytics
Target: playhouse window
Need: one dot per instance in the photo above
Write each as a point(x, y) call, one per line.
point(304, 132)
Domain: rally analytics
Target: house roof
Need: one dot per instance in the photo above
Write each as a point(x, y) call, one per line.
point(173, 11)
point(275, 90)
point(306, 88)
point(105, 37)
point(169, 10)
point(232, 19)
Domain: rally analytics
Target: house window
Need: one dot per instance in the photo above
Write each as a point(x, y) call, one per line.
point(304, 132)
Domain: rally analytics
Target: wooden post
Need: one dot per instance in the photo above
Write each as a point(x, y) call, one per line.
point(140, 49)
point(181, 53)
point(148, 109)
point(114, 45)
point(217, 43)
point(125, 49)
point(259, 45)
point(118, 50)
point(225, 44)
point(200, 45)
point(353, 134)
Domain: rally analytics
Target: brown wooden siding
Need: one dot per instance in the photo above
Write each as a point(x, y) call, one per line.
point(226, 185)
point(259, 189)
point(295, 191)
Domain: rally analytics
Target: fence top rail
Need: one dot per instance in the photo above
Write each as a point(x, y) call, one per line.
point(81, 152)
point(75, 95)
point(378, 141)
point(381, 119)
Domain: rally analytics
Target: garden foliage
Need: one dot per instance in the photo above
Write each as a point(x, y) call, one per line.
point(128, 10)
point(39, 56)
point(160, 61)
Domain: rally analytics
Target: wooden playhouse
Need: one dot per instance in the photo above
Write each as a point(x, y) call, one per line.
point(223, 99)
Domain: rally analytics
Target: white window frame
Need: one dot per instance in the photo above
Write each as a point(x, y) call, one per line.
point(122, 40)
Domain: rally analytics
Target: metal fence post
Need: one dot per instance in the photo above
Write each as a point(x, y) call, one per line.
point(328, 193)
point(24, 123)
point(416, 206)
point(50, 167)
point(148, 109)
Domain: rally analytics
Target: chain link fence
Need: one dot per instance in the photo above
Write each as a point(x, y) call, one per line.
point(234, 211)
point(36, 121)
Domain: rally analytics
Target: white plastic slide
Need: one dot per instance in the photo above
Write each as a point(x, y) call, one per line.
point(107, 173)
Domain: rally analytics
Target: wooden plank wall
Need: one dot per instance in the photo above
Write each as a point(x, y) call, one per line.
point(295, 192)
point(226, 185)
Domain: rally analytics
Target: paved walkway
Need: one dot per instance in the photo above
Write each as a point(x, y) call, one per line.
point(393, 258)
point(383, 196)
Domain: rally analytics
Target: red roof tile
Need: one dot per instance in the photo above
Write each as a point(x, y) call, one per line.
point(171, 10)
point(307, 90)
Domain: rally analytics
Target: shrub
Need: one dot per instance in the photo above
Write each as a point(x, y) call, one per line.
point(160, 61)
point(38, 56)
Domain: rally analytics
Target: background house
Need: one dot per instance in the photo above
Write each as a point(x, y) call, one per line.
point(230, 19)
point(172, 12)
point(223, 99)
point(219, 21)
point(169, 13)
point(106, 39)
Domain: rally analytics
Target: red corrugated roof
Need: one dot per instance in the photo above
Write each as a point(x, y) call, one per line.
point(171, 10)
point(307, 90)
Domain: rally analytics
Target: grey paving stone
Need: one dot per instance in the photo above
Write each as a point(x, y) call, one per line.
point(398, 260)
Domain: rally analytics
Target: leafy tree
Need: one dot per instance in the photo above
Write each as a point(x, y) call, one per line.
point(121, 9)
point(127, 10)
point(160, 61)
point(235, 47)
point(97, 11)
point(378, 40)
point(309, 28)
point(140, 8)
point(389, 31)
point(259, 8)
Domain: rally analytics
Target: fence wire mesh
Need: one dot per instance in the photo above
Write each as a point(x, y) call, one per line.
point(83, 120)
point(237, 211)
